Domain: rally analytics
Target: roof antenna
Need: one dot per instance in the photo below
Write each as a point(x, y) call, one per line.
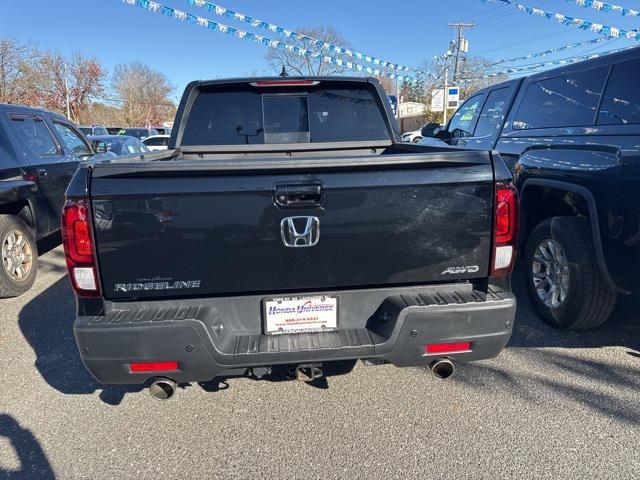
point(284, 73)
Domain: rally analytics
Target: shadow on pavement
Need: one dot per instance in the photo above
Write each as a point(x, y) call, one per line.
point(47, 324)
point(546, 376)
point(33, 461)
point(545, 364)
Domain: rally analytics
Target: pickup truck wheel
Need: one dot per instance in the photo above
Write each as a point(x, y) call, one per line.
point(19, 257)
point(563, 277)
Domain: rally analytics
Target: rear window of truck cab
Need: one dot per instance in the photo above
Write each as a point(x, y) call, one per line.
point(248, 115)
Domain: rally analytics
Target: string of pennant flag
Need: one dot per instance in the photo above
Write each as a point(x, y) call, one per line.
point(325, 51)
point(293, 35)
point(599, 28)
point(155, 7)
point(544, 53)
point(552, 63)
point(606, 7)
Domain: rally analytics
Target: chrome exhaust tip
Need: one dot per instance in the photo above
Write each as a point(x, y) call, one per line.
point(308, 373)
point(162, 388)
point(442, 368)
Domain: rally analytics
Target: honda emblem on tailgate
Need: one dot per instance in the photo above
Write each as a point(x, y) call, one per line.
point(300, 231)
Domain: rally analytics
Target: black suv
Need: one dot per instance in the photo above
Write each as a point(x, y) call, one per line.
point(39, 153)
point(571, 136)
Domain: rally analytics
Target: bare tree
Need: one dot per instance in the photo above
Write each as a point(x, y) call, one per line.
point(144, 94)
point(388, 84)
point(473, 76)
point(103, 114)
point(79, 78)
point(18, 72)
point(474, 73)
point(305, 65)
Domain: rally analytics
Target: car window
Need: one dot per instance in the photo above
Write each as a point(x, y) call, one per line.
point(86, 130)
point(621, 100)
point(154, 142)
point(463, 121)
point(135, 146)
point(131, 147)
point(133, 132)
point(565, 101)
point(100, 131)
point(35, 135)
point(72, 139)
point(114, 146)
point(321, 113)
point(286, 118)
point(490, 119)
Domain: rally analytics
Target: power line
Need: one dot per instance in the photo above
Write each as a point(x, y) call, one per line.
point(582, 54)
point(492, 15)
point(534, 68)
point(593, 41)
point(534, 39)
point(102, 99)
point(566, 20)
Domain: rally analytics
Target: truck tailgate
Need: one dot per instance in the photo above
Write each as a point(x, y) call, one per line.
point(212, 233)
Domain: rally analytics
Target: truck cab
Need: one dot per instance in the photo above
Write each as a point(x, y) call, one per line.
point(570, 136)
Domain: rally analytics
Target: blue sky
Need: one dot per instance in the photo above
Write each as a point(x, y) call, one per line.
point(405, 32)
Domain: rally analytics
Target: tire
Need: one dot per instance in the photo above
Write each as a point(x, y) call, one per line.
point(13, 284)
point(588, 300)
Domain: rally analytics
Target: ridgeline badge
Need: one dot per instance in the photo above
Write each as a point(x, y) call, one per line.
point(136, 287)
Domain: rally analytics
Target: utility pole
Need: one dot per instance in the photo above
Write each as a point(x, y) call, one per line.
point(397, 96)
point(445, 93)
point(66, 89)
point(461, 45)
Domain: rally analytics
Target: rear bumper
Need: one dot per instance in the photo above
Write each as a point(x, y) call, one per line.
point(205, 346)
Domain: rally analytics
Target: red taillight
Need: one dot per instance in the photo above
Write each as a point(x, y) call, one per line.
point(505, 229)
point(154, 366)
point(78, 247)
point(454, 347)
point(285, 83)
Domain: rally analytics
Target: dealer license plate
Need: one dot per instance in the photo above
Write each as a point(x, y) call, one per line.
point(300, 314)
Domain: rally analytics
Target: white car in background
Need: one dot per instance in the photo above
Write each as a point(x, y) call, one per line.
point(157, 142)
point(428, 130)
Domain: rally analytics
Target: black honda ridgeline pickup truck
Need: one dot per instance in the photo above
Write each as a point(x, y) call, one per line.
point(288, 229)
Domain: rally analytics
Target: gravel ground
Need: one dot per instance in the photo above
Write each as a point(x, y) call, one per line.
point(553, 405)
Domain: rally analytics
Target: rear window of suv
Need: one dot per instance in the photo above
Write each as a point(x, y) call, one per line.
point(564, 101)
point(251, 115)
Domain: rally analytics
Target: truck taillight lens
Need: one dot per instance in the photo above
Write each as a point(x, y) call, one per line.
point(505, 229)
point(78, 247)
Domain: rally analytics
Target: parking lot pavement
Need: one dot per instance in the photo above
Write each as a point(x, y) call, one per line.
point(553, 405)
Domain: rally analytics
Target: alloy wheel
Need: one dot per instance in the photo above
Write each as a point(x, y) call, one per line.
point(17, 255)
point(550, 271)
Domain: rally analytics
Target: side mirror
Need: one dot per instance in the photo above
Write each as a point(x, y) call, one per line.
point(443, 135)
point(430, 131)
point(99, 146)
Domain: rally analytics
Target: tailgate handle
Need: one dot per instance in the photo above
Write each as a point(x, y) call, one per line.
point(298, 195)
